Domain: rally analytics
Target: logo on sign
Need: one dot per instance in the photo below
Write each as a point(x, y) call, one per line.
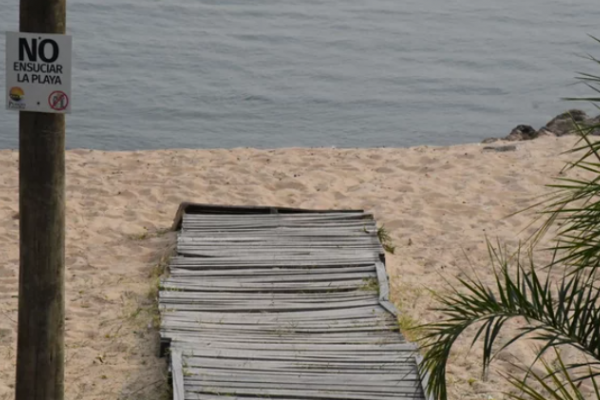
point(16, 94)
point(16, 98)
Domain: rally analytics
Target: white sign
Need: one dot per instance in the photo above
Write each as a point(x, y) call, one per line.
point(38, 72)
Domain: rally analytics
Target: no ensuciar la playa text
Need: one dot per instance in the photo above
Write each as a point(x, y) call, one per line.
point(33, 72)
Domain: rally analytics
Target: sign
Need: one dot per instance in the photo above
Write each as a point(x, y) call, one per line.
point(38, 72)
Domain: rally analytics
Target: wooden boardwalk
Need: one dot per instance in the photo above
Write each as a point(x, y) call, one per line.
point(282, 304)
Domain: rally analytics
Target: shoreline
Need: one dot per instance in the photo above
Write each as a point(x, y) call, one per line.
point(292, 148)
point(559, 126)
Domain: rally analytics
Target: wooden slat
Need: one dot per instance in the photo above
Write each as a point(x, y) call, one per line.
point(332, 385)
point(177, 375)
point(302, 366)
point(305, 393)
point(389, 306)
point(189, 209)
point(424, 378)
point(229, 396)
point(384, 287)
point(287, 377)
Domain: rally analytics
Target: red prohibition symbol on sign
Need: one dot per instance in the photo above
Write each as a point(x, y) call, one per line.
point(58, 100)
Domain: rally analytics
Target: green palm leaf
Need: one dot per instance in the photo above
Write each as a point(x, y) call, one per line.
point(556, 384)
point(563, 315)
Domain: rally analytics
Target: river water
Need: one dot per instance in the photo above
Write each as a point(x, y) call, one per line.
point(153, 74)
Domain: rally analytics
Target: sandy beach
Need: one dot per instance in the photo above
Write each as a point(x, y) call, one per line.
point(438, 204)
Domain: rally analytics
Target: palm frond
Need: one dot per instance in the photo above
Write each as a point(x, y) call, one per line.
point(567, 314)
point(556, 384)
point(576, 209)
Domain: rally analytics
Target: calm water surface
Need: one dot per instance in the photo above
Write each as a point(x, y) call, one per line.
point(348, 73)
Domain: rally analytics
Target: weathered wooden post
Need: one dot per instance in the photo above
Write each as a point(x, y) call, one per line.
point(40, 351)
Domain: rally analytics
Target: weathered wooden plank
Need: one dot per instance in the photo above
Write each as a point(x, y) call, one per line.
point(356, 349)
point(299, 254)
point(270, 337)
point(257, 221)
point(166, 295)
point(274, 241)
point(192, 340)
point(286, 244)
point(258, 224)
point(215, 239)
point(176, 284)
point(290, 377)
point(263, 306)
point(353, 232)
point(289, 327)
point(260, 324)
point(172, 303)
point(203, 396)
point(306, 316)
point(278, 260)
point(177, 375)
point(292, 277)
point(273, 271)
point(201, 329)
point(424, 378)
point(231, 212)
point(300, 367)
point(284, 327)
point(305, 393)
point(188, 210)
point(277, 318)
point(332, 384)
point(359, 312)
point(389, 306)
point(281, 225)
point(309, 356)
point(384, 288)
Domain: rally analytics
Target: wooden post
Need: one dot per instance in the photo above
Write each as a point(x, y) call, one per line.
point(40, 349)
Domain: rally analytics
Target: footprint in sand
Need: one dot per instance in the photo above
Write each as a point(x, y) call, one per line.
point(290, 184)
point(384, 170)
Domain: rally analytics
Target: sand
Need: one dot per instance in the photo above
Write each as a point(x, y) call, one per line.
point(438, 204)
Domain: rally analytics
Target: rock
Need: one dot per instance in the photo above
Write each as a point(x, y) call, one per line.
point(522, 132)
point(594, 123)
point(545, 132)
point(564, 124)
point(595, 120)
point(500, 149)
point(489, 140)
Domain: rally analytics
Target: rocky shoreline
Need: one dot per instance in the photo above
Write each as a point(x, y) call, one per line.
point(567, 123)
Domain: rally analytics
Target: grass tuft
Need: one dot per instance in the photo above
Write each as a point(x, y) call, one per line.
point(410, 327)
point(370, 285)
point(386, 240)
point(148, 234)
